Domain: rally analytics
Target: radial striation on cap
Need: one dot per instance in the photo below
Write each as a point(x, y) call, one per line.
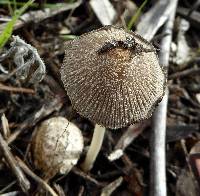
point(112, 76)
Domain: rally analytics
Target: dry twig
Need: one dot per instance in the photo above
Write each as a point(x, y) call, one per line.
point(107, 190)
point(158, 171)
point(23, 181)
point(86, 176)
point(154, 19)
point(104, 11)
point(34, 118)
point(36, 178)
point(158, 162)
point(184, 73)
point(40, 15)
point(126, 139)
point(13, 193)
point(4, 189)
point(16, 89)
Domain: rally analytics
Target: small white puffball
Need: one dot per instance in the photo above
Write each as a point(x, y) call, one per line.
point(57, 146)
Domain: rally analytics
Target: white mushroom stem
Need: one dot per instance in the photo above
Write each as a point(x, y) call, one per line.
point(94, 148)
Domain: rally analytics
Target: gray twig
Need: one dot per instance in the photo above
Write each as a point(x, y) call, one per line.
point(154, 19)
point(158, 136)
point(104, 11)
point(157, 144)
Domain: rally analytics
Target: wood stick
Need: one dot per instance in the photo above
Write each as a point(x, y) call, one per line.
point(36, 178)
point(16, 89)
point(158, 136)
point(23, 181)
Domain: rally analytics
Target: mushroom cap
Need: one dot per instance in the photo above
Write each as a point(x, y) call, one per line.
point(116, 87)
point(57, 146)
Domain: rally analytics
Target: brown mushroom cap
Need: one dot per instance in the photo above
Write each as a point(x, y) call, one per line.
point(117, 87)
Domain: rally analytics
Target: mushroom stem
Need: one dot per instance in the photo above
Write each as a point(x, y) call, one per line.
point(97, 140)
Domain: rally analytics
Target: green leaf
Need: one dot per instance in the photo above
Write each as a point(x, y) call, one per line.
point(68, 37)
point(7, 32)
point(136, 15)
point(35, 5)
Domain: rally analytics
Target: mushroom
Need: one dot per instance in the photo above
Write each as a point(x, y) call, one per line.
point(57, 146)
point(113, 78)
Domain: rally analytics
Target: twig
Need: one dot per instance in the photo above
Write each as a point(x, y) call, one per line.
point(104, 11)
point(16, 89)
point(132, 132)
point(194, 7)
point(106, 191)
point(158, 173)
point(13, 193)
point(40, 15)
point(158, 136)
point(7, 187)
point(154, 19)
point(35, 177)
point(46, 110)
point(126, 139)
point(187, 72)
point(23, 181)
point(157, 144)
point(59, 189)
point(86, 176)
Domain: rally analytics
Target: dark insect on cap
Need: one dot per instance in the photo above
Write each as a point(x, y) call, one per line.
point(112, 77)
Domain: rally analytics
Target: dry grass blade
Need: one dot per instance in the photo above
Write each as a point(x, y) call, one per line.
point(104, 11)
